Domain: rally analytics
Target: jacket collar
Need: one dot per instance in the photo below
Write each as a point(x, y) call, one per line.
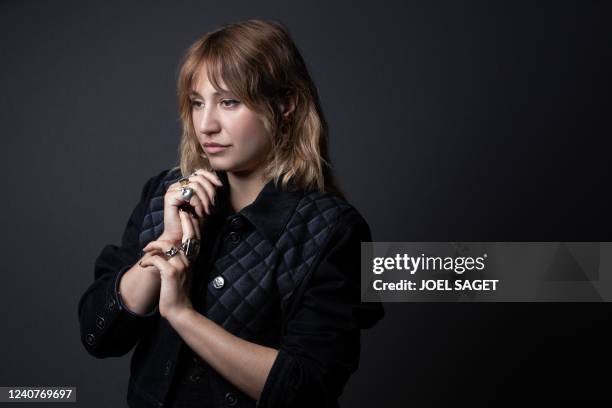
point(269, 212)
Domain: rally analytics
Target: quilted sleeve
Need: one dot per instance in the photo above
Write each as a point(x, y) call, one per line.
point(107, 327)
point(321, 345)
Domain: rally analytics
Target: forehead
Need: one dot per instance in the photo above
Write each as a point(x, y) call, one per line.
point(201, 80)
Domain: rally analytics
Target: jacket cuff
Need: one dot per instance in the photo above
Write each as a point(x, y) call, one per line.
point(279, 387)
point(108, 328)
point(117, 297)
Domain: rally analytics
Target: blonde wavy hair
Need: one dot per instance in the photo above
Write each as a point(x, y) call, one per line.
point(259, 63)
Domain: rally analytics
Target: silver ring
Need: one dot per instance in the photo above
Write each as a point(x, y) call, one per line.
point(171, 252)
point(186, 193)
point(191, 248)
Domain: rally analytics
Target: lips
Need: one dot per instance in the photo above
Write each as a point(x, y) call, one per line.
point(214, 147)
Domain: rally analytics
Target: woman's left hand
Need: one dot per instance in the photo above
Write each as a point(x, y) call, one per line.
point(176, 271)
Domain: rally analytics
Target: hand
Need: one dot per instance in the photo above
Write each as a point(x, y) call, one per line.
point(175, 272)
point(204, 185)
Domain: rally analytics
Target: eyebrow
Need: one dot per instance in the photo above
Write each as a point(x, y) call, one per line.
point(216, 93)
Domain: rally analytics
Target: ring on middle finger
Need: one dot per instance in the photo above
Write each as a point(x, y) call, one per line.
point(186, 193)
point(171, 252)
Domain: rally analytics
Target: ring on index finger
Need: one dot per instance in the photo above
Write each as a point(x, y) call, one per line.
point(191, 248)
point(186, 193)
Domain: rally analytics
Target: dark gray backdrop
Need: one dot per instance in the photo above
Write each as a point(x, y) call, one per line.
point(450, 120)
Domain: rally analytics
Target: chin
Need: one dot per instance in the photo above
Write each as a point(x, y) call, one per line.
point(228, 165)
point(219, 163)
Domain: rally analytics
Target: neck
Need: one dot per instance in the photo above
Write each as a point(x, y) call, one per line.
point(244, 187)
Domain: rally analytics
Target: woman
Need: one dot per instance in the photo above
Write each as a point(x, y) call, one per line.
point(238, 272)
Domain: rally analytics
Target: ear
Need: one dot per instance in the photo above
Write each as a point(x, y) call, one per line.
point(288, 105)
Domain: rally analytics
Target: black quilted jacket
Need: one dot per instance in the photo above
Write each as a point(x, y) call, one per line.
point(287, 276)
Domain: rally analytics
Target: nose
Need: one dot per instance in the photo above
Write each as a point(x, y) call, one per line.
point(207, 121)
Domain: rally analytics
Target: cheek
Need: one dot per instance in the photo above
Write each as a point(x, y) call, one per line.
point(251, 133)
point(194, 122)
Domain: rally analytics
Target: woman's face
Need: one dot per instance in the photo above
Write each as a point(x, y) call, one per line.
point(232, 135)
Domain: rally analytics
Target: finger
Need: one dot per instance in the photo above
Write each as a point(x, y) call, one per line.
point(207, 185)
point(209, 175)
point(158, 244)
point(196, 225)
point(190, 210)
point(162, 246)
point(206, 195)
point(176, 264)
point(148, 254)
point(187, 226)
point(212, 178)
point(195, 201)
point(173, 200)
point(159, 247)
point(158, 261)
point(179, 261)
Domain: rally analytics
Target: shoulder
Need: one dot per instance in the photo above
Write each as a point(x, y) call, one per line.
point(336, 212)
point(160, 181)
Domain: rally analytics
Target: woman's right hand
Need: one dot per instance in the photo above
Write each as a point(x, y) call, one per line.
point(203, 183)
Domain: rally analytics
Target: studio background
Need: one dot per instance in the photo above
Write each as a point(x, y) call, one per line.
point(449, 121)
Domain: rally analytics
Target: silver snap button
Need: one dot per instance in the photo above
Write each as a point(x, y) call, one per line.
point(218, 282)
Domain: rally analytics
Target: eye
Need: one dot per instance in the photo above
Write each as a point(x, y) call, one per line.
point(229, 103)
point(195, 104)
